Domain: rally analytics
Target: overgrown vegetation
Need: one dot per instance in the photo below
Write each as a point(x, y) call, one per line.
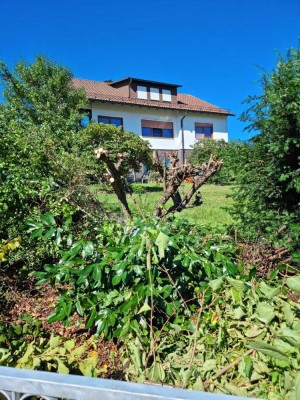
point(141, 297)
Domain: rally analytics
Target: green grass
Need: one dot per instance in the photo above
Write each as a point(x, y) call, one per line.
point(212, 212)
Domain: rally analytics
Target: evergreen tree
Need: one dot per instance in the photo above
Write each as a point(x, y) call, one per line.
point(268, 199)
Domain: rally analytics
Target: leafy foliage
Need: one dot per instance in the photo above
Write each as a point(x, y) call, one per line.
point(7, 246)
point(23, 345)
point(186, 310)
point(39, 123)
point(268, 199)
point(244, 341)
point(113, 282)
point(115, 141)
point(41, 168)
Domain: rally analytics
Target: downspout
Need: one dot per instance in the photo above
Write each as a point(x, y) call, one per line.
point(182, 137)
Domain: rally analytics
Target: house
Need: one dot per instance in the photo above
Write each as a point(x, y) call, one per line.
point(156, 111)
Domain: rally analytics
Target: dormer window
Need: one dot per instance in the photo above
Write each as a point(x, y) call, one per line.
point(154, 94)
point(166, 95)
point(142, 92)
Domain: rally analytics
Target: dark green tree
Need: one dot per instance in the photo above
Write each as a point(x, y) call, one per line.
point(268, 199)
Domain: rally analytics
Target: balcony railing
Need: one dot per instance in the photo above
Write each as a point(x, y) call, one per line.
point(20, 384)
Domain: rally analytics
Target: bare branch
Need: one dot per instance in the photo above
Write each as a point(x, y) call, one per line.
point(175, 175)
point(116, 179)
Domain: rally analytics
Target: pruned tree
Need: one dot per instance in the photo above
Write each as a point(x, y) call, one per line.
point(173, 176)
point(116, 178)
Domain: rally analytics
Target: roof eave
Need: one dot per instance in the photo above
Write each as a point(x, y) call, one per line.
point(112, 101)
point(145, 81)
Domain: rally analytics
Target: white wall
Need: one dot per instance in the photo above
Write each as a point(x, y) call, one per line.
point(132, 116)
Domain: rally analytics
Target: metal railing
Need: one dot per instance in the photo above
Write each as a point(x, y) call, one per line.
point(20, 384)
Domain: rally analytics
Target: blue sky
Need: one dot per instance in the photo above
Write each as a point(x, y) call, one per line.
point(212, 48)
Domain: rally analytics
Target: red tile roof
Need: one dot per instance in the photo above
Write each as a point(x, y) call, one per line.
point(104, 92)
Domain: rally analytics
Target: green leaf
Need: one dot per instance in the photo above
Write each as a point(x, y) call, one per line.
point(61, 367)
point(238, 285)
point(91, 319)
point(69, 345)
point(58, 315)
point(294, 283)
point(79, 308)
point(290, 333)
point(54, 341)
point(49, 234)
point(209, 365)
point(36, 233)
point(268, 350)
point(58, 237)
point(198, 385)
point(78, 351)
point(116, 280)
point(162, 242)
point(295, 395)
point(144, 308)
point(215, 284)
point(156, 372)
point(254, 331)
point(288, 313)
point(88, 365)
point(48, 219)
point(265, 312)
point(238, 313)
point(27, 356)
point(234, 390)
point(268, 291)
point(87, 249)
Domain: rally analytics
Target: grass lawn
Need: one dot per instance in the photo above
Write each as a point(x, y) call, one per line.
point(211, 212)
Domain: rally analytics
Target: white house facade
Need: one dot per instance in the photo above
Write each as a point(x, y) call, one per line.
point(156, 112)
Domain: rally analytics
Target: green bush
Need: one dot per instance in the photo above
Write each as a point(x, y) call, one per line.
point(234, 154)
point(132, 276)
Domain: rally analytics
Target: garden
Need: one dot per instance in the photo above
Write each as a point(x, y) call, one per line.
point(190, 281)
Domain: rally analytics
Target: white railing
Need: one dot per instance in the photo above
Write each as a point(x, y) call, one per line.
point(20, 384)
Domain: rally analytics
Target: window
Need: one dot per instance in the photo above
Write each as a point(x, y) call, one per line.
point(154, 94)
point(110, 120)
point(86, 119)
point(142, 92)
point(157, 129)
point(203, 131)
point(166, 95)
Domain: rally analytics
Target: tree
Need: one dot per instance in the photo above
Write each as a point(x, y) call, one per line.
point(39, 127)
point(268, 199)
point(119, 152)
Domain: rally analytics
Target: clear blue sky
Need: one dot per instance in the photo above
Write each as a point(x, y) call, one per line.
point(210, 47)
